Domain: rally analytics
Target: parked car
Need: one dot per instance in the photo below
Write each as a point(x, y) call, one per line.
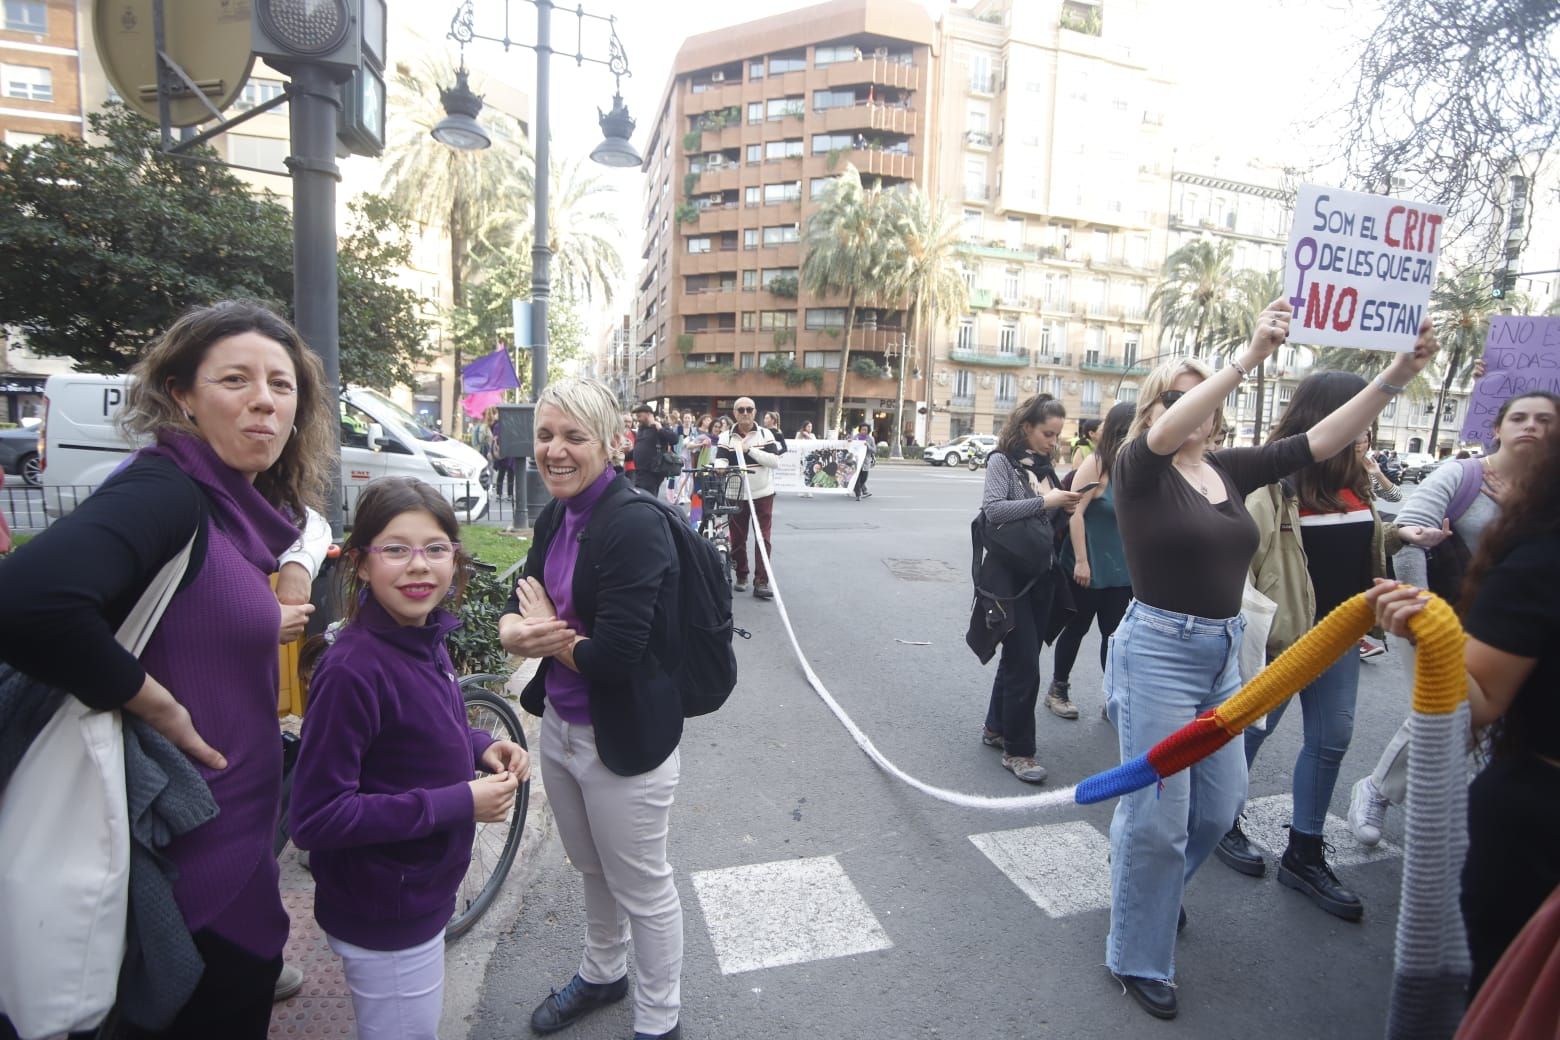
point(1391, 465)
point(19, 454)
point(1417, 465)
point(956, 451)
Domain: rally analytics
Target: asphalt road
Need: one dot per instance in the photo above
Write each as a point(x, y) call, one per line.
point(825, 899)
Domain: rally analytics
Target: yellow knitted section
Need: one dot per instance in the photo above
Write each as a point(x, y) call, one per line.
point(1440, 682)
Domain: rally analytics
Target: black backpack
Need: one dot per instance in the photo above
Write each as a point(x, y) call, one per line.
point(706, 669)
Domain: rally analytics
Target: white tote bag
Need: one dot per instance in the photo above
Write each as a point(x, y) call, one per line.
point(65, 855)
point(1258, 611)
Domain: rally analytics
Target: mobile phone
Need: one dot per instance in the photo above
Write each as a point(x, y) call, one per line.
point(1086, 488)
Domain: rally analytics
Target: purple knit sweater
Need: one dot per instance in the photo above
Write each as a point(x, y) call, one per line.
point(215, 649)
point(568, 691)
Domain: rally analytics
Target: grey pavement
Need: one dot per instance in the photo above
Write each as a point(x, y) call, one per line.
point(825, 899)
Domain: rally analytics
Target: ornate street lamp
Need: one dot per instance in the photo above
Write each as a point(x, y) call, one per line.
point(460, 130)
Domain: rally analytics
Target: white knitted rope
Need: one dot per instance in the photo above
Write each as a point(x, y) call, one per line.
point(1018, 803)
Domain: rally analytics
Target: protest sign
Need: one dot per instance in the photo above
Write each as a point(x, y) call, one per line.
point(1521, 356)
point(820, 467)
point(1359, 268)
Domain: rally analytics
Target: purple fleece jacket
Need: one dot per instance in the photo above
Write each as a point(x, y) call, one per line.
point(380, 795)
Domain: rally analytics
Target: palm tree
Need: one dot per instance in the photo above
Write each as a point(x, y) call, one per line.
point(1254, 290)
point(845, 252)
point(1196, 293)
point(582, 232)
point(437, 185)
point(923, 269)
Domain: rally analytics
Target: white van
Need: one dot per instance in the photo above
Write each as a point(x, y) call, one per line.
point(82, 445)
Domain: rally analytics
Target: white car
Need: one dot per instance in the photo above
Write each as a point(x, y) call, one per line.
point(957, 451)
point(1417, 465)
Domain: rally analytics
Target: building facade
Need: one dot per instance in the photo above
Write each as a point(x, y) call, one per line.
point(1052, 142)
point(40, 71)
point(754, 123)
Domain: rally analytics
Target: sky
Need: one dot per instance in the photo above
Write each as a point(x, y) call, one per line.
point(1252, 76)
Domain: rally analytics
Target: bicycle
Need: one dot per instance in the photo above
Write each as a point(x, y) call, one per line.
point(717, 496)
point(495, 846)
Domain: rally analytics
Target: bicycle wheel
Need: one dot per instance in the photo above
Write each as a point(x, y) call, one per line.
point(496, 844)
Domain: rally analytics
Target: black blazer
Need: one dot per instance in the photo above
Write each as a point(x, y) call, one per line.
point(625, 592)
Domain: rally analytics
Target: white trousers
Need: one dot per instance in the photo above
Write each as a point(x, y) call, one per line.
point(614, 829)
point(396, 994)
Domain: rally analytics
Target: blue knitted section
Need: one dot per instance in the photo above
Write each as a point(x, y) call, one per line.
point(1113, 783)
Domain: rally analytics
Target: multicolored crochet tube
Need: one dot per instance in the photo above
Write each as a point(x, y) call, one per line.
point(1431, 966)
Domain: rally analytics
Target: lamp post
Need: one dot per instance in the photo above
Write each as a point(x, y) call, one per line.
point(459, 129)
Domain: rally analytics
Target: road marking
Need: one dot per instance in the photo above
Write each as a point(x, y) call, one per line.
point(788, 912)
point(1062, 867)
point(1264, 825)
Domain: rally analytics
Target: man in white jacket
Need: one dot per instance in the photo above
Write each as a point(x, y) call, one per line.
point(753, 447)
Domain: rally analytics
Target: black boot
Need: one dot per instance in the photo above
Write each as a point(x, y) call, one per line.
point(1304, 868)
point(1235, 852)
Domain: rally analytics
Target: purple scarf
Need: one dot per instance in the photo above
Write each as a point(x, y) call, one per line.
point(260, 531)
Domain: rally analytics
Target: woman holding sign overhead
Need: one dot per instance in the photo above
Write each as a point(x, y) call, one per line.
point(1189, 542)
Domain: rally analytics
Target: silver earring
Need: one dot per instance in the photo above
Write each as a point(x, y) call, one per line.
point(295, 431)
point(189, 418)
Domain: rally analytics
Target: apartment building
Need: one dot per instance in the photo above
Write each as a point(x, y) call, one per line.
point(754, 122)
point(40, 71)
point(1052, 146)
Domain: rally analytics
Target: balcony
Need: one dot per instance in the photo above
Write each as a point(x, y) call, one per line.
point(977, 139)
point(983, 354)
point(1113, 367)
point(996, 248)
point(983, 86)
point(977, 192)
point(961, 401)
point(864, 115)
point(882, 71)
point(980, 299)
point(1005, 404)
point(1053, 359)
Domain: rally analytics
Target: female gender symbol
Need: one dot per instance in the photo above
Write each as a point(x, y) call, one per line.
point(1302, 266)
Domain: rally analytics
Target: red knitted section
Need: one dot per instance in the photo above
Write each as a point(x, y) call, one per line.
point(1191, 743)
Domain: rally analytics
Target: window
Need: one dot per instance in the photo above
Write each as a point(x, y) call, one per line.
point(1391, 409)
point(823, 99)
point(769, 321)
point(796, 61)
point(1129, 395)
point(755, 153)
point(1007, 387)
point(783, 149)
point(825, 143)
point(701, 244)
point(825, 318)
point(751, 195)
point(28, 82)
point(977, 118)
point(749, 281)
point(975, 175)
point(26, 16)
point(1014, 228)
point(779, 108)
point(1130, 351)
point(265, 153)
point(755, 112)
point(818, 186)
point(1007, 338)
point(750, 238)
point(963, 383)
point(829, 360)
point(966, 339)
point(1012, 284)
point(972, 221)
point(1449, 411)
point(258, 91)
point(756, 69)
point(1094, 345)
point(789, 191)
point(1099, 246)
point(1091, 393)
point(23, 139)
point(839, 52)
point(779, 235)
point(747, 321)
point(980, 73)
point(771, 273)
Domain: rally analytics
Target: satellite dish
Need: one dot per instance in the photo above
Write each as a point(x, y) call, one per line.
point(210, 39)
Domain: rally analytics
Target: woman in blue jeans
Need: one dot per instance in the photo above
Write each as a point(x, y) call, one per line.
point(1189, 541)
point(1321, 542)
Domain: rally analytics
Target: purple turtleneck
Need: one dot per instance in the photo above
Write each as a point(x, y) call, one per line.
point(567, 690)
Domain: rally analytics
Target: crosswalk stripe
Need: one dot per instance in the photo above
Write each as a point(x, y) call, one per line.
point(789, 912)
point(1062, 867)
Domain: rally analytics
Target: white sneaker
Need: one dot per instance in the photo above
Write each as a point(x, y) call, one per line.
point(1367, 810)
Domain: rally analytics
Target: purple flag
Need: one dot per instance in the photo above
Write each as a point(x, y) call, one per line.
point(491, 372)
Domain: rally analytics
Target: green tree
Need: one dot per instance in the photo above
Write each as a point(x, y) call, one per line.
point(1254, 290)
point(846, 253)
point(925, 247)
point(1196, 295)
point(582, 231)
point(488, 315)
point(102, 246)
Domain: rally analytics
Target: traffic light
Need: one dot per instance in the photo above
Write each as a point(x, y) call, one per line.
point(1505, 282)
point(319, 32)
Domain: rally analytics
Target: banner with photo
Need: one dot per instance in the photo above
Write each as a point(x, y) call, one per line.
point(821, 467)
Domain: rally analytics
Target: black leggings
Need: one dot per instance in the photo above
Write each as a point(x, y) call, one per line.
point(1106, 604)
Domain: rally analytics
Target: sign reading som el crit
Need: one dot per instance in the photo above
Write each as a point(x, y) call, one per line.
point(1360, 268)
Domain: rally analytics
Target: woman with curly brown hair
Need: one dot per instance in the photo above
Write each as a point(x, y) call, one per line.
point(235, 403)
